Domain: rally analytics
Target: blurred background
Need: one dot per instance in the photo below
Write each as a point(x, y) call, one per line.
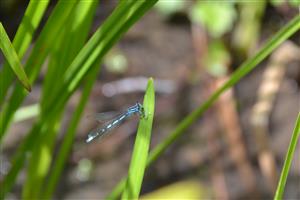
point(190, 48)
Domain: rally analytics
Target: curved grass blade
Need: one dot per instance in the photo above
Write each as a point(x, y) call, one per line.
point(69, 137)
point(121, 20)
point(39, 162)
point(243, 70)
point(76, 29)
point(126, 13)
point(37, 57)
point(288, 160)
point(12, 58)
point(141, 147)
point(30, 21)
point(18, 161)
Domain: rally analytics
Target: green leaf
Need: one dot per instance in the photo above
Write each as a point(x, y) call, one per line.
point(18, 161)
point(217, 17)
point(76, 29)
point(28, 26)
point(284, 33)
point(288, 160)
point(32, 67)
point(141, 147)
point(69, 137)
point(37, 57)
point(123, 17)
point(12, 58)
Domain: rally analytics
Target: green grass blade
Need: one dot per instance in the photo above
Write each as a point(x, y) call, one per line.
point(60, 101)
point(69, 137)
point(34, 63)
point(12, 58)
point(126, 13)
point(32, 17)
point(288, 160)
point(39, 161)
point(76, 29)
point(43, 44)
point(112, 29)
point(18, 162)
point(86, 58)
point(141, 147)
point(244, 69)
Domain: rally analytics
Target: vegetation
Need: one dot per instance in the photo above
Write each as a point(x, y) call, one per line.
point(70, 65)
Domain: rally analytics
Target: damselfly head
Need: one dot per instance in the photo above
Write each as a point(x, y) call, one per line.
point(140, 109)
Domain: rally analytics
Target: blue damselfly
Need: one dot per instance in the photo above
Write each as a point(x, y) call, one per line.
point(116, 121)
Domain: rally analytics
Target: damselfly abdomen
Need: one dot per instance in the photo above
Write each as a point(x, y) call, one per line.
point(116, 121)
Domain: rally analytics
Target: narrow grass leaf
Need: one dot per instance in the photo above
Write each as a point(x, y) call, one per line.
point(282, 35)
point(141, 147)
point(243, 70)
point(77, 28)
point(288, 160)
point(39, 162)
point(69, 137)
point(12, 58)
point(88, 57)
point(18, 162)
point(30, 21)
point(37, 57)
point(126, 13)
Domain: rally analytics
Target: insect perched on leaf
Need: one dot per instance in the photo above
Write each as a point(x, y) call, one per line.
point(115, 121)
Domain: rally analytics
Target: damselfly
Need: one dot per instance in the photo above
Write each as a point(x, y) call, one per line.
point(116, 121)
